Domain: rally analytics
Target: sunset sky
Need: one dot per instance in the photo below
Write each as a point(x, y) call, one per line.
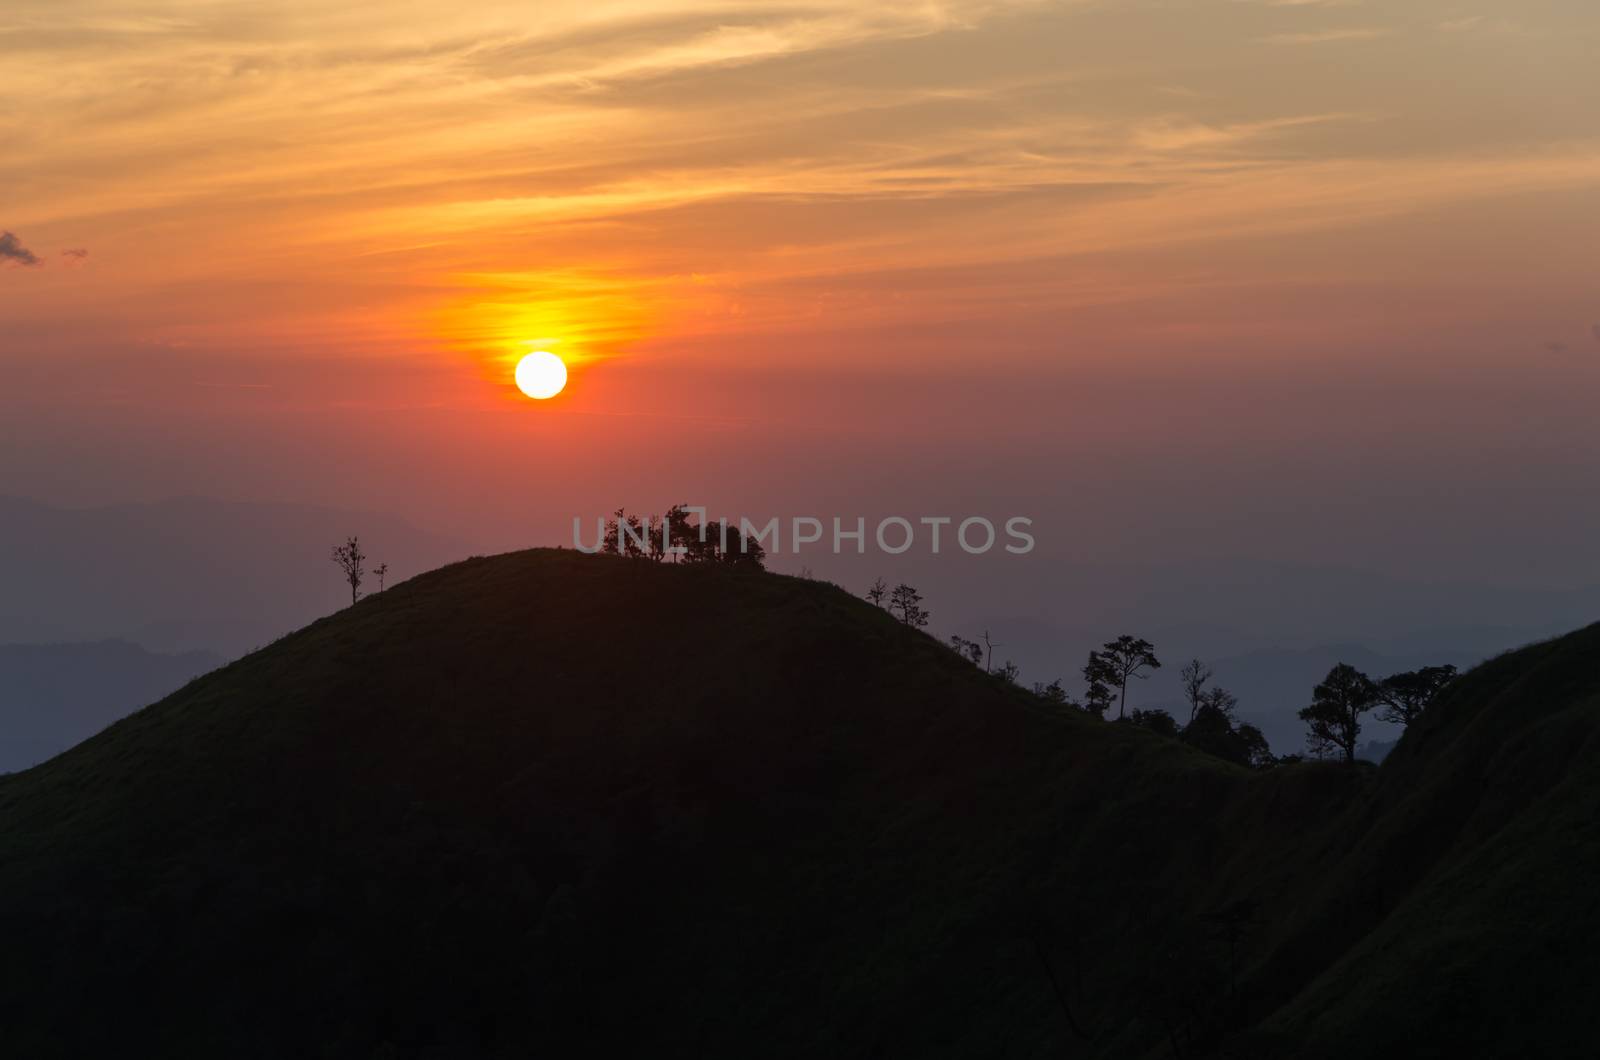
point(1313, 280)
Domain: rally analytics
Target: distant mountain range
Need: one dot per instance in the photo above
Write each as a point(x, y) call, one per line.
point(54, 695)
point(189, 573)
point(103, 610)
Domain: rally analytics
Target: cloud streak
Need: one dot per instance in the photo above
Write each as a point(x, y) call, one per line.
point(12, 250)
point(589, 171)
point(1325, 36)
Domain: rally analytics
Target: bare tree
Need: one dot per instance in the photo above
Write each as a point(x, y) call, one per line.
point(988, 655)
point(879, 590)
point(1194, 677)
point(352, 561)
point(379, 572)
point(1220, 700)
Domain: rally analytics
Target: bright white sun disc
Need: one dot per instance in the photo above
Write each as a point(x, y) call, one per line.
point(541, 375)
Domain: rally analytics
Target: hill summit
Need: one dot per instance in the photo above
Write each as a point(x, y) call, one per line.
point(547, 802)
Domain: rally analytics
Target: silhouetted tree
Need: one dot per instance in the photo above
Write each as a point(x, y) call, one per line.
point(633, 532)
point(1009, 673)
point(1257, 752)
point(988, 652)
point(1220, 700)
point(654, 525)
point(681, 533)
point(1097, 676)
point(743, 551)
point(675, 534)
point(1213, 731)
point(379, 572)
point(909, 603)
point(968, 649)
point(1406, 695)
point(1124, 658)
point(1194, 677)
point(879, 590)
point(1333, 719)
point(1155, 720)
point(352, 561)
point(1052, 692)
point(612, 545)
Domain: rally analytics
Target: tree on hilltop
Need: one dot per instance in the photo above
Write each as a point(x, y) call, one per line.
point(1333, 719)
point(1097, 678)
point(352, 561)
point(1194, 676)
point(1406, 695)
point(908, 602)
point(967, 649)
point(1123, 659)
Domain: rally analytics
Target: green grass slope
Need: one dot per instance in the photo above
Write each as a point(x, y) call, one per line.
point(549, 803)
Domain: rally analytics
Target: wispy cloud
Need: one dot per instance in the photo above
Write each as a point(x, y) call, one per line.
point(1326, 36)
point(12, 250)
point(571, 172)
point(1177, 135)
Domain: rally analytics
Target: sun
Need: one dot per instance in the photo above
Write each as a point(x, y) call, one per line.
point(541, 375)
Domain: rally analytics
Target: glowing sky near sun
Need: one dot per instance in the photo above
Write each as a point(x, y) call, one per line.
point(1071, 225)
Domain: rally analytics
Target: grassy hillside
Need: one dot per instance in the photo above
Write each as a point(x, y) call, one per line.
point(553, 802)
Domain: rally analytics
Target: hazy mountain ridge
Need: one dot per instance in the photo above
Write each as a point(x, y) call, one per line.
point(54, 695)
point(187, 573)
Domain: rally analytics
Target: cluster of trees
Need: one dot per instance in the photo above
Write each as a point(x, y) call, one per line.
point(904, 602)
point(1333, 720)
point(677, 537)
point(352, 563)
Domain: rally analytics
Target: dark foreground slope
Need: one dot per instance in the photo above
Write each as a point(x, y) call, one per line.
point(547, 803)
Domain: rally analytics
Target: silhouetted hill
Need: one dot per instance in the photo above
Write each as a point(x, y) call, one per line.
point(54, 695)
point(554, 804)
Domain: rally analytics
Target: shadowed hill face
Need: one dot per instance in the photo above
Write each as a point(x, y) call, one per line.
point(549, 798)
point(1477, 871)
